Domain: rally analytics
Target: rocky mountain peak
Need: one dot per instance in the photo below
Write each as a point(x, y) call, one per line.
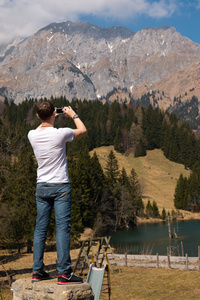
point(88, 30)
point(83, 60)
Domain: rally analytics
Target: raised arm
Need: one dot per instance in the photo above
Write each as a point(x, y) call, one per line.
point(80, 130)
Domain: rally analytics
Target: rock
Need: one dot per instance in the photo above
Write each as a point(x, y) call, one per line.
point(24, 289)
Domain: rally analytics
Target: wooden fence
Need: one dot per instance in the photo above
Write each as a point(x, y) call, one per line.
point(159, 261)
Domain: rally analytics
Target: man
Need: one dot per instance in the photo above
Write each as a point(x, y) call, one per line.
point(53, 189)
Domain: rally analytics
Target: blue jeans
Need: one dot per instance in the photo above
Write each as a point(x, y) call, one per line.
point(47, 196)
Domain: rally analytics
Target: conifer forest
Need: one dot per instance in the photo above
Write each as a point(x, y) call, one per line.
point(104, 200)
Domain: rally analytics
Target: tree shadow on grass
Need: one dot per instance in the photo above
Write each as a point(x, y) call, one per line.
point(6, 258)
point(7, 276)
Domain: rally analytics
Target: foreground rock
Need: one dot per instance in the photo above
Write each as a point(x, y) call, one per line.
point(49, 290)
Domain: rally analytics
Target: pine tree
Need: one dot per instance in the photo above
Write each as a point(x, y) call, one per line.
point(163, 215)
point(155, 210)
point(118, 141)
point(180, 195)
point(115, 120)
point(124, 179)
point(81, 186)
point(152, 124)
point(18, 207)
point(112, 169)
point(140, 149)
point(135, 191)
point(129, 117)
point(97, 181)
point(149, 209)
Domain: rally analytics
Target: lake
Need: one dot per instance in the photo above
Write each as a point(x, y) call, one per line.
point(154, 238)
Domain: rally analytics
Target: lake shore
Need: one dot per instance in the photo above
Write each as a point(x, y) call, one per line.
point(187, 216)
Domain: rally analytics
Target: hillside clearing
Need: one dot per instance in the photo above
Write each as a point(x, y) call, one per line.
point(157, 175)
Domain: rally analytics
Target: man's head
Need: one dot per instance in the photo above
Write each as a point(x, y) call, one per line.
point(45, 110)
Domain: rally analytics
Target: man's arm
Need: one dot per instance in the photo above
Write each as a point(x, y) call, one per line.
point(80, 130)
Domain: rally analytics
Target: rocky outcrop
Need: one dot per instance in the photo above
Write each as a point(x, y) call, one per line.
point(81, 60)
point(48, 289)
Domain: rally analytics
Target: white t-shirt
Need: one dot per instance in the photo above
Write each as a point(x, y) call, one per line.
point(49, 146)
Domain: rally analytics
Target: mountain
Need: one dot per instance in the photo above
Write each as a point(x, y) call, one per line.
point(82, 60)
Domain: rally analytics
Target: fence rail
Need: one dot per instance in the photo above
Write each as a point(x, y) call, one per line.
point(159, 261)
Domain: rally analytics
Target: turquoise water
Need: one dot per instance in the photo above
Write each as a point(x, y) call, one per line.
point(154, 238)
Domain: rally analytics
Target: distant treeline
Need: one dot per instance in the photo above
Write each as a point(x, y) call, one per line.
point(132, 129)
point(104, 201)
point(187, 111)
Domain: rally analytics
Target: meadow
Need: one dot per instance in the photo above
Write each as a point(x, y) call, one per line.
point(157, 174)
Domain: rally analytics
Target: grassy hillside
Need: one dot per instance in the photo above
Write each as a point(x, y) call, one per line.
point(157, 174)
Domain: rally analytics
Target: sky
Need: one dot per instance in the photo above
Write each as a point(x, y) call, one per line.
point(22, 18)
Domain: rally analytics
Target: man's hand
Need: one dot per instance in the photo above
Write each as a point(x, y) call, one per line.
point(69, 112)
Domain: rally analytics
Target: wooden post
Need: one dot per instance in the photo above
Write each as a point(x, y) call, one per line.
point(79, 255)
point(177, 223)
point(186, 261)
point(92, 257)
point(169, 250)
point(169, 228)
point(157, 260)
point(126, 259)
point(168, 257)
point(182, 251)
point(9, 276)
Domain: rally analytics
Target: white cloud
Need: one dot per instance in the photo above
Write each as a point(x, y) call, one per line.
point(21, 18)
point(127, 8)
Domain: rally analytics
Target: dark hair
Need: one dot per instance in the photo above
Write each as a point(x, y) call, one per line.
point(45, 110)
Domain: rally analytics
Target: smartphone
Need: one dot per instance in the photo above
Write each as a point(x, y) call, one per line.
point(59, 111)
